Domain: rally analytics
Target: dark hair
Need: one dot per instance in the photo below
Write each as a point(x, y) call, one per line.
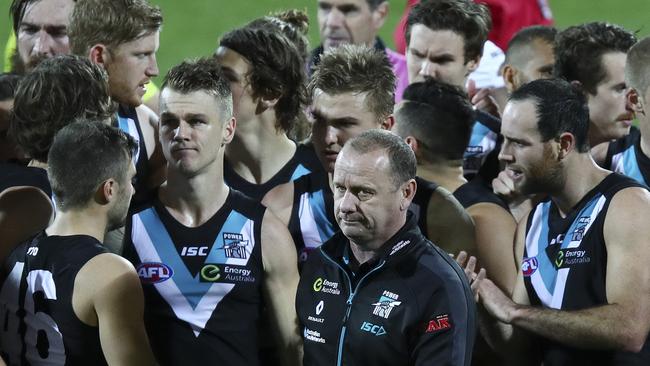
point(439, 116)
point(470, 20)
point(277, 69)
point(560, 107)
point(637, 67)
point(373, 4)
point(293, 23)
point(579, 50)
point(83, 155)
point(8, 85)
point(358, 69)
point(111, 22)
point(525, 37)
point(58, 91)
point(202, 74)
point(402, 159)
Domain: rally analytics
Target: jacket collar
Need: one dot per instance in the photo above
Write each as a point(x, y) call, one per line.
point(396, 247)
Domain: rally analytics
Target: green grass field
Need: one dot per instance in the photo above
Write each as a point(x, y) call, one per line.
point(193, 27)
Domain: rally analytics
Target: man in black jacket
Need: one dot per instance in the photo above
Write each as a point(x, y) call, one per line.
point(378, 292)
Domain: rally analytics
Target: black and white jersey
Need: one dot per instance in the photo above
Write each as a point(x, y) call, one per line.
point(202, 285)
point(39, 326)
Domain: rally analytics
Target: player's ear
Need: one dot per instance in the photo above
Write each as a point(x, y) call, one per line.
point(408, 192)
point(566, 143)
point(266, 102)
point(229, 131)
point(106, 191)
point(510, 78)
point(633, 101)
point(412, 142)
point(472, 64)
point(388, 122)
point(99, 54)
point(379, 15)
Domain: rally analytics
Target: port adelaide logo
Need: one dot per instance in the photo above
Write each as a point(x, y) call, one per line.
point(234, 245)
point(386, 303)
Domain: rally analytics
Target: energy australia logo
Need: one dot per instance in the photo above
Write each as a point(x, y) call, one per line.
point(323, 285)
point(234, 245)
point(386, 303)
point(571, 256)
point(214, 272)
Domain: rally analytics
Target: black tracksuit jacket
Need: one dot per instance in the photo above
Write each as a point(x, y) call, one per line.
point(411, 305)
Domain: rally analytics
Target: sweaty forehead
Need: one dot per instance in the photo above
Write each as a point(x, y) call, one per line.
point(340, 105)
point(179, 103)
point(351, 164)
point(359, 4)
point(519, 119)
point(614, 65)
point(232, 60)
point(48, 12)
point(436, 41)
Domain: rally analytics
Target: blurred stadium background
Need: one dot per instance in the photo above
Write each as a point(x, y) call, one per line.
point(192, 27)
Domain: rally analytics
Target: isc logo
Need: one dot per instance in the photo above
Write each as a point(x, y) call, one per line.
point(194, 251)
point(372, 328)
point(154, 272)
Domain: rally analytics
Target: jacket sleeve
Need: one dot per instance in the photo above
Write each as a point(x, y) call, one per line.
point(445, 336)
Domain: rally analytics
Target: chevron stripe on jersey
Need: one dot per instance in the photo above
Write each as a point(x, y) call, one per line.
point(127, 125)
point(192, 300)
point(549, 281)
point(626, 163)
point(299, 172)
point(314, 224)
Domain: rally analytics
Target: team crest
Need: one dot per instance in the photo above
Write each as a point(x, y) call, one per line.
point(386, 303)
point(579, 232)
point(234, 245)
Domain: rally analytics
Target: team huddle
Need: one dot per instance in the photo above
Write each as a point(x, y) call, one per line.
point(270, 204)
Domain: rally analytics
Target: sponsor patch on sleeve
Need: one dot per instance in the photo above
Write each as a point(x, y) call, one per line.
point(438, 324)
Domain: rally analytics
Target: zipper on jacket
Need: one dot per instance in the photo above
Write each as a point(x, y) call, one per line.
point(348, 301)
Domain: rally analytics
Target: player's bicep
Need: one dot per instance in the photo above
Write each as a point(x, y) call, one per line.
point(495, 231)
point(626, 233)
point(448, 224)
point(280, 262)
point(119, 304)
point(280, 201)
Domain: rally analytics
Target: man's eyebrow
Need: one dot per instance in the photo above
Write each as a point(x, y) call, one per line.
point(344, 120)
point(48, 27)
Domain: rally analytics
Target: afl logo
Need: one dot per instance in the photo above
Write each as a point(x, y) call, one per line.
point(529, 266)
point(154, 272)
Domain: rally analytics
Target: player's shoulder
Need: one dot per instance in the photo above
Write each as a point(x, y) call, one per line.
point(630, 199)
point(106, 269)
point(146, 116)
point(279, 196)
